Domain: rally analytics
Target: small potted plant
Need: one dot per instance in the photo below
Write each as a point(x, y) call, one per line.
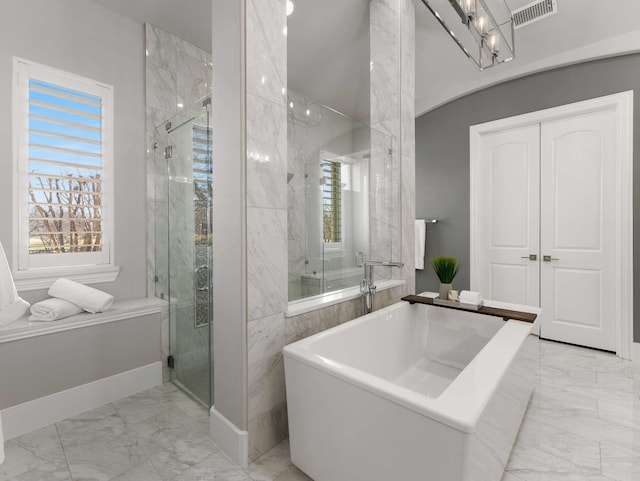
point(446, 268)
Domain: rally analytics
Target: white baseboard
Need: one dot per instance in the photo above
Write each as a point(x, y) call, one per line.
point(41, 412)
point(635, 352)
point(233, 441)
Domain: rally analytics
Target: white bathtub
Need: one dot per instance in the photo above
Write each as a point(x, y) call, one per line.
point(410, 392)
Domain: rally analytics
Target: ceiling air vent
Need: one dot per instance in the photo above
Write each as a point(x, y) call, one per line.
point(533, 12)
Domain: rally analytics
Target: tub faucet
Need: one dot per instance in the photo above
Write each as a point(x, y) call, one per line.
point(367, 287)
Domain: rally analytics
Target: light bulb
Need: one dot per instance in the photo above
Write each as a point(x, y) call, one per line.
point(468, 6)
point(290, 7)
point(482, 24)
point(493, 43)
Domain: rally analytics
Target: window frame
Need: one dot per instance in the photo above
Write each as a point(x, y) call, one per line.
point(88, 267)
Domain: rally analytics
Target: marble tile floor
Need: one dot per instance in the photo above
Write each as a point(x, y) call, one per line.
point(157, 435)
point(583, 419)
point(582, 424)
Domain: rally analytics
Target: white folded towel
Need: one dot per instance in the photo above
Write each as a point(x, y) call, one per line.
point(12, 307)
point(53, 309)
point(88, 298)
point(420, 240)
point(470, 297)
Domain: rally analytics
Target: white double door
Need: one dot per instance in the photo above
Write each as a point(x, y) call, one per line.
point(548, 214)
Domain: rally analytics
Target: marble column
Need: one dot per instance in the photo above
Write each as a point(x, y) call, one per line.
point(266, 65)
point(392, 113)
point(392, 31)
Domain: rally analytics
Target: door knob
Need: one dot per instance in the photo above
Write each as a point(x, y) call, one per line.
point(531, 257)
point(549, 258)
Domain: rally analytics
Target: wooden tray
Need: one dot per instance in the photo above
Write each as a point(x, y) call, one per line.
point(505, 314)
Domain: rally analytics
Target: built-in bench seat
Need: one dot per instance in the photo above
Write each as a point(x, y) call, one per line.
point(120, 310)
point(55, 370)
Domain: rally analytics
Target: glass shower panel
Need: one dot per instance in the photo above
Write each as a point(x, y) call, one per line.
point(343, 199)
point(384, 203)
point(345, 219)
point(186, 148)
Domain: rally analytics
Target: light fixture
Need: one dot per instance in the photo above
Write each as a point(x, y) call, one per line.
point(290, 7)
point(484, 35)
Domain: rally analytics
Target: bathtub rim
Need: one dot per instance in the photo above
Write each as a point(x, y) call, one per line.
point(462, 403)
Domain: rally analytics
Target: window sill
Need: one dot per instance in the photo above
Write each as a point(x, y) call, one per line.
point(35, 279)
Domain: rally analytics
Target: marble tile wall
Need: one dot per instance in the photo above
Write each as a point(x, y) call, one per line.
point(178, 77)
point(392, 31)
point(266, 62)
point(392, 113)
point(310, 323)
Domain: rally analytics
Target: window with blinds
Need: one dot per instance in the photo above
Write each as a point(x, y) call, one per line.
point(332, 201)
point(64, 164)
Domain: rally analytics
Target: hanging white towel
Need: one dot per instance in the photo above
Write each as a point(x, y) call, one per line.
point(53, 309)
point(421, 238)
point(12, 307)
point(89, 299)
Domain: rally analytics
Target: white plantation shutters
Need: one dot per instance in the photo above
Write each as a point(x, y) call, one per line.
point(64, 160)
point(332, 201)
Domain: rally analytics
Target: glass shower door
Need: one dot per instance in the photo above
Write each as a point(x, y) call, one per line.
point(189, 164)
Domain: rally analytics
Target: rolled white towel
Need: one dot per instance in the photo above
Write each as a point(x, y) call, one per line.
point(13, 311)
point(90, 299)
point(470, 297)
point(53, 309)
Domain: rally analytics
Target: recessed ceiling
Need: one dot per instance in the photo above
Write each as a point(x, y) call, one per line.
point(581, 30)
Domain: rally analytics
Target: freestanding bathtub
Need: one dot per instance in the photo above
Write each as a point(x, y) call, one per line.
point(408, 393)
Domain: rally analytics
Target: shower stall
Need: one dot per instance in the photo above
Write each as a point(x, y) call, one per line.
point(183, 193)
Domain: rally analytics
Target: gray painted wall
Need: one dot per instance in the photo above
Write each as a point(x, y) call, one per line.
point(89, 40)
point(229, 251)
point(44, 365)
point(86, 39)
point(442, 151)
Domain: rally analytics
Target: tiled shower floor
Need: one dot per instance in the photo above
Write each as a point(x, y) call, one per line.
point(582, 424)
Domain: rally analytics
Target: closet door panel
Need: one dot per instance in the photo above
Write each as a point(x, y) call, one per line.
point(510, 165)
point(578, 162)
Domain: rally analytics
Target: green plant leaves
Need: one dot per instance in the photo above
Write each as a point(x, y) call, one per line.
point(446, 268)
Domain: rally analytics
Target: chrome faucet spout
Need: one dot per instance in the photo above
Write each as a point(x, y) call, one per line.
point(367, 287)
